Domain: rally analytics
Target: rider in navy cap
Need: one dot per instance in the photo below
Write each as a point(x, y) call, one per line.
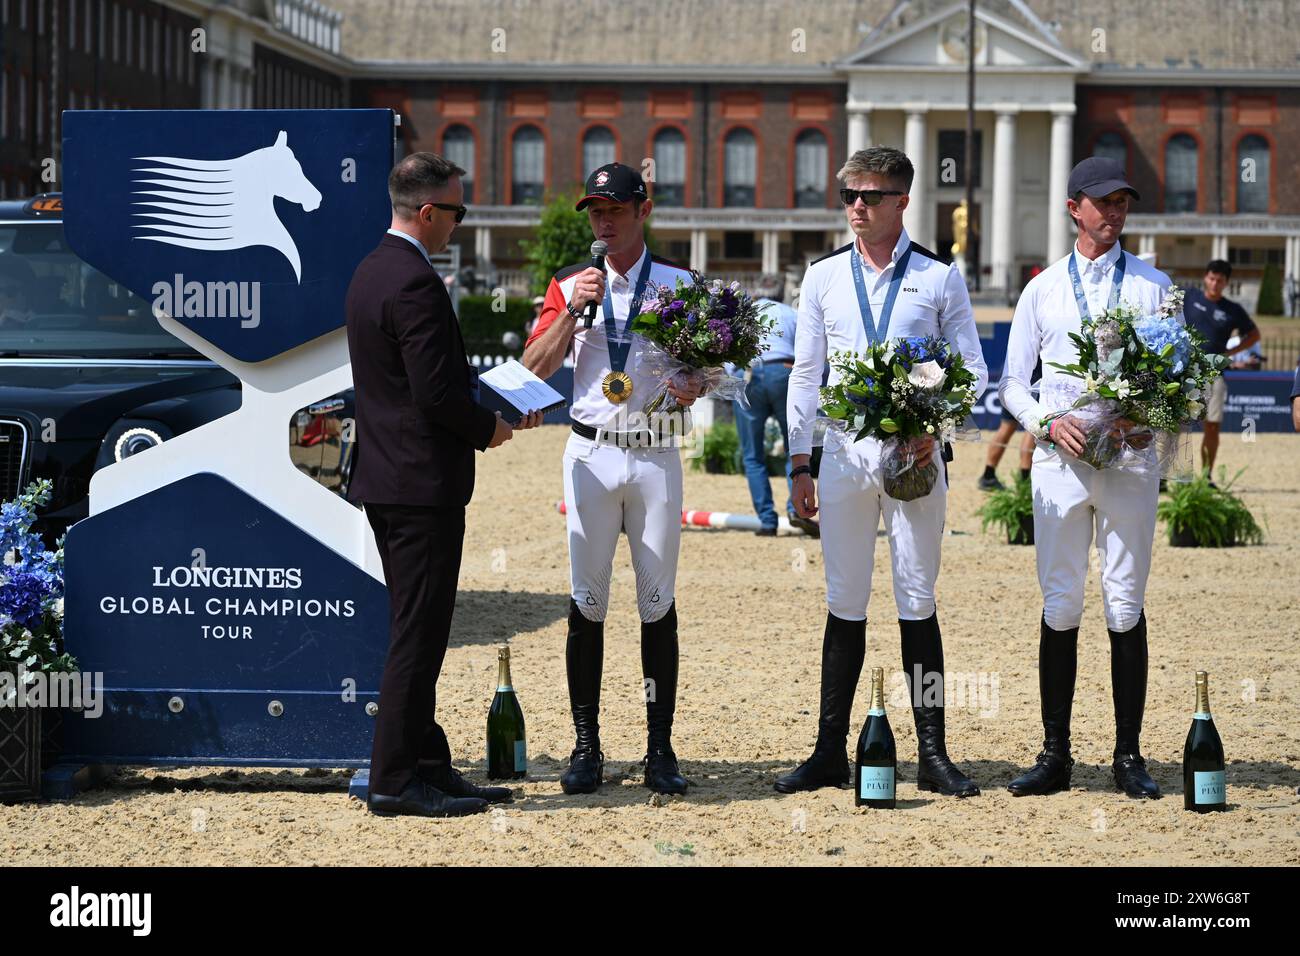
point(1099, 176)
point(613, 181)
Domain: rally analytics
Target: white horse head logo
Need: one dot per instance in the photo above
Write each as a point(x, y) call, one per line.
point(226, 203)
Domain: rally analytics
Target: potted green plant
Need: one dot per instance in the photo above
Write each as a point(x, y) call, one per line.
point(31, 641)
point(1200, 515)
point(721, 452)
point(1011, 508)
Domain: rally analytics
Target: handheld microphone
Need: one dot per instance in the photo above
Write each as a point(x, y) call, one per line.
point(598, 250)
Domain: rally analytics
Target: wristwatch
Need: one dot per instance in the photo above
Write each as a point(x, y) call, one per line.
point(568, 307)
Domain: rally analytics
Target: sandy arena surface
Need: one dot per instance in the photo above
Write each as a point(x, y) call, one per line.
point(751, 612)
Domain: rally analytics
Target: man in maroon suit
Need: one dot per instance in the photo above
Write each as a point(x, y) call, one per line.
point(417, 426)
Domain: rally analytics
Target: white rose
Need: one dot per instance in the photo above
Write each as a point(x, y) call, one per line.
point(926, 375)
point(1194, 409)
point(1121, 388)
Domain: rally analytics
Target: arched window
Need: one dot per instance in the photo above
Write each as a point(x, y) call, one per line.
point(1180, 173)
point(1112, 146)
point(810, 158)
point(527, 166)
point(739, 168)
point(670, 167)
point(1253, 160)
point(458, 148)
point(597, 149)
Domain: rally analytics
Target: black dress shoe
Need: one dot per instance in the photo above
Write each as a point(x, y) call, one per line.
point(1048, 775)
point(421, 800)
point(807, 525)
point(586, 771)
point(1131, 776)
point(662, 774)
point(825, 768)
point(450, 781)
point(766, 532)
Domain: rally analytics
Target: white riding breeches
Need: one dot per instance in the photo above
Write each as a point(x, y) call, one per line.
point(1072, 501)
point(851, 501)
point(608, 489)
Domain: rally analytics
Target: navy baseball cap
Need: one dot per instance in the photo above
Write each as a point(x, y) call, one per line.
point(613, 181)
point(1099, 176)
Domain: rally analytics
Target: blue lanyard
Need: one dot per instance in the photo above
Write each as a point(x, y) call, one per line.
point(1116, 280)
point(618, 350)
point(874, 335)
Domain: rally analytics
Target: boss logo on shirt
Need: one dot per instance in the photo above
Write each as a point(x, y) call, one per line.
point(910, 289)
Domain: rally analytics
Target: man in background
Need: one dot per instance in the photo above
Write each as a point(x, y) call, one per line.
point(1217, 318)
point(765, 394)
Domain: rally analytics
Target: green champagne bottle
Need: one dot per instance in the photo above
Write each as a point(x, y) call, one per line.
point(1204, 782)
point(507, 747)
point(877, 759)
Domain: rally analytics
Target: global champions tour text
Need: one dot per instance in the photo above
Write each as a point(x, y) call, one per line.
point(242, 607)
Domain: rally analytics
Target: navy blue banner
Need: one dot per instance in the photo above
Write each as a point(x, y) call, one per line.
point(225, 634)
point(242, 225)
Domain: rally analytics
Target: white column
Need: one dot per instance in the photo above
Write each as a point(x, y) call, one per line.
point(1002, 256)
point(699, 250)
point(483, 247)
point(1058, 220)
point(771, 252)
point(1219, 247)
point(916, 218)
point(1146, 243)
point(1292, 272)
point(859, 129)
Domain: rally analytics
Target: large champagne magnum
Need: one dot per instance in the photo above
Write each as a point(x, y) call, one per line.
point(507, 748)
point(877, 760)
point(1204, 784)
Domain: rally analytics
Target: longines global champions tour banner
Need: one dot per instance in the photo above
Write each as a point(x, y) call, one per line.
point(234, 605)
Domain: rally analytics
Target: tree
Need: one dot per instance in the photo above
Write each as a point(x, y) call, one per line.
point(562, 237)
point(1270, 291)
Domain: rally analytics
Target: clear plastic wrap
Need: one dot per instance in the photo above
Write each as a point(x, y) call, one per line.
point(903, 479)
point(654, 362)
point(1116, 443)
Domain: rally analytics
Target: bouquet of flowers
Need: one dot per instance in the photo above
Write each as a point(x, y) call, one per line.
point(900, 392)
point(31, 590)
point(1144, 376)
point(693, 331)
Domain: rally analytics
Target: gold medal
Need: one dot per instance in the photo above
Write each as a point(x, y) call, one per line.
point(617, 387)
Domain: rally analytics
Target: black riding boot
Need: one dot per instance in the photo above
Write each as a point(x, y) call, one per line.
point(1058, 662)
point(923, 657)
point(1128, 680)
point(843, 648)
point(584, 653)
point(659, 666)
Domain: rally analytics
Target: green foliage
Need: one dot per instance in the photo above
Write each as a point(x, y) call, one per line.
point(482, 328)
point(1214, 517)
point(1270, 291)
point(562, 238)
point(1008, 508)
point(722, 448)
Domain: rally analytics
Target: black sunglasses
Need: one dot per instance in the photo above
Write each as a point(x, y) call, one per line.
point(871, 197)
point(458, 210)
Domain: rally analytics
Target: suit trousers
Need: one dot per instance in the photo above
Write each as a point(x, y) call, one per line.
point(421, 551)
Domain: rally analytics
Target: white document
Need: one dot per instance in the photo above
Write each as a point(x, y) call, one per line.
point(520, 387)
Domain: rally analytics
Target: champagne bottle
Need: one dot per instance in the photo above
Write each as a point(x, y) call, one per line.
point(877, 759)
point(1204, 784)
point(507, 747)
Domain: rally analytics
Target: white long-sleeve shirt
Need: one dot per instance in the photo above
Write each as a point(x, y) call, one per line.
point(932, 300)
point(1046, 315)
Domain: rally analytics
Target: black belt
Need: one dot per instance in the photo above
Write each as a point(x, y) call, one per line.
point(788, 363)
point(642, 439)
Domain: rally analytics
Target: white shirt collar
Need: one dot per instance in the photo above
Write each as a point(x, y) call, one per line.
point(1101, 265)
point(901, 246)
point(632, 273)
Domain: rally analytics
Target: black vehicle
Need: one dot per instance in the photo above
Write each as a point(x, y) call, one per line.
point(89, 377)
